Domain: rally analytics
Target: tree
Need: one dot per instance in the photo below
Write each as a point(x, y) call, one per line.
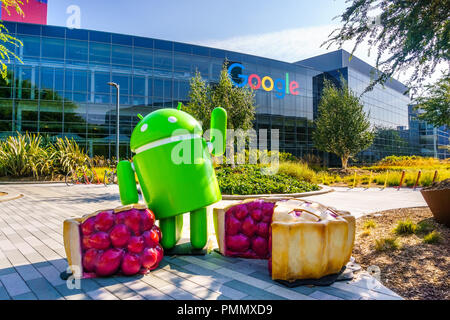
point(407, 34)
point(436, 103)
point(6, 38)
point(238, 102)
point(342, 127)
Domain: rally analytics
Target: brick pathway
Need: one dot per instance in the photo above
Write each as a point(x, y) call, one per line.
point(32, 256)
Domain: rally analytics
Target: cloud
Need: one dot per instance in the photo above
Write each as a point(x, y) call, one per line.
point(297, 44)
point(287, 45)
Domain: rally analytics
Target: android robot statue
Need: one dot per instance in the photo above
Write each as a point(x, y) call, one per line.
point(175, 171)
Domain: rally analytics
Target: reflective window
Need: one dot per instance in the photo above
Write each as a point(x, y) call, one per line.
point(80, 81)
point(138, 86)
point(76, 50)
point(182, 62)
point(47, 78)
point(31, 46)
point(162, 60)
point(158, 87)
point(124, 81)
point(168, 88)
point(53, 48)
point(99, 53)
point(101, 82)
point(121, 55)
point(143, 57)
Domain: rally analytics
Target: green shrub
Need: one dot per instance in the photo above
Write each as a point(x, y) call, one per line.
point(433, 237)
point(28, 155)
point(424, 227)
point(67, 155)
point(385, 244)
point(298, 170)
point(370, 224)
point(24, 156)
point(249, 179)
point(405, 227)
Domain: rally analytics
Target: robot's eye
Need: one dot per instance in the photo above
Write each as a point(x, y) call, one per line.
point(172, 119)
point(144, 127)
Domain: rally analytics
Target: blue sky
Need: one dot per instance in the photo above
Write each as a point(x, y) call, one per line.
point(197, 20)
point(287, 30)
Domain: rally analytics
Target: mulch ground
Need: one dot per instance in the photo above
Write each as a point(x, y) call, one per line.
point(416, 270)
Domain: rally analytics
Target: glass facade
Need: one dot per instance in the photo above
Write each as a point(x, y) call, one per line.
point(61, 88)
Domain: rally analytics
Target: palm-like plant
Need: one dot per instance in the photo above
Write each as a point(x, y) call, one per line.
point(67, 155)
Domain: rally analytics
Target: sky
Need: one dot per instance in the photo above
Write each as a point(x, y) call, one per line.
point(286, 30)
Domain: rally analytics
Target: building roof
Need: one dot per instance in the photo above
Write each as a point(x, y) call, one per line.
point(340, 59)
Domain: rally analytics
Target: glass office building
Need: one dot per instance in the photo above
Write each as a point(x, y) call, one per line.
point(61, 89)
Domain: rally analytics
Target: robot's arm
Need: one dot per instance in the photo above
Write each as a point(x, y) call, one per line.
point(127, 183)
point(218, 131)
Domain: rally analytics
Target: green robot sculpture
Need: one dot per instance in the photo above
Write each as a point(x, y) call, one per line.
point(175, 171)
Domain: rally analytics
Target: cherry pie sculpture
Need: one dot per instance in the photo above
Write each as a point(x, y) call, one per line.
point(120, 241)
point(301, 239)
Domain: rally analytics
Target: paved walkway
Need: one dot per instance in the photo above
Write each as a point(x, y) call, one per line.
point(361, 201)
point(32, 256)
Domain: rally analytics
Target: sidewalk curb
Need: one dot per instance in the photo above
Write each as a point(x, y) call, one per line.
point(324, 190)
point(30, 182)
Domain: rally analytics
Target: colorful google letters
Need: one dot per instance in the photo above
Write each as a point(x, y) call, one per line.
point(281, 86)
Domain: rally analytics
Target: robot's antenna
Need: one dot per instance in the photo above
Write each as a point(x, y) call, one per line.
point(140, 116)
point(180, 104)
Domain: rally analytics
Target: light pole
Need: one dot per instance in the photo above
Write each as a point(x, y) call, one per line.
point(113, 84)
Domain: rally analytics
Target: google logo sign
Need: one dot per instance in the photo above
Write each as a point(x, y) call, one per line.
point(281, 86)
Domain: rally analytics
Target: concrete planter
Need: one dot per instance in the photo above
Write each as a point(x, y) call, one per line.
point(439, 203)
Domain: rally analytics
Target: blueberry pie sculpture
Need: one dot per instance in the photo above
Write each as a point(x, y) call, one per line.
point(301, 239)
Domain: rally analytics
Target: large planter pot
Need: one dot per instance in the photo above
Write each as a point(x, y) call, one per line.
point(439, 203)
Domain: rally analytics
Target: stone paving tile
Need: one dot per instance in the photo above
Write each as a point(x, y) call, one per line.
point(24, 248)
point(346, 295)
point(3, 293)
point(43, 289)
point(36, 259)
point(7, 270)
point(200, 262)
point(135, 297)
point(101, 294)
point(363, 293)
point(14, 284)
point(16, 257)
point(265, 276)
point(89, 285)
point(28, 272)
point(365, 281)
point(154, 281)
point(25, 296)
point(148, 292)
point(288, 294)
point(244, 278)
point(60, 264)
point(207, 272)
point(52, 275)
point(121, 291)
point(72, 294)
point(319, 295)
point(177, 293)
point(209, 282)
point(253, 291)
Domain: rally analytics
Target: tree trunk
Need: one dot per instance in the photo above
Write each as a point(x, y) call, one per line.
point(344, 160)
